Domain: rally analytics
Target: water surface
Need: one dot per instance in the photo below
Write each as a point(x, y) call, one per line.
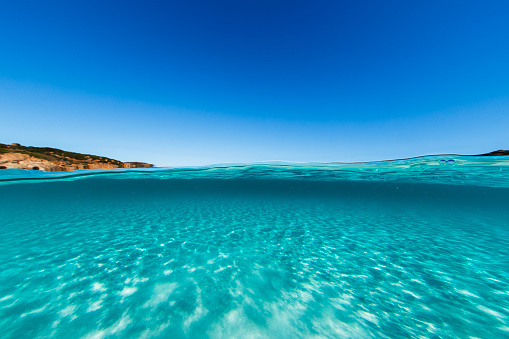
point(408, 248)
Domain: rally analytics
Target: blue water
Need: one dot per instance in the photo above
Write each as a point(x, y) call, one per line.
point(400, 249)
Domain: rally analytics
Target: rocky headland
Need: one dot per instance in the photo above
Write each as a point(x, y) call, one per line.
point(55, 160)
point(495, 153)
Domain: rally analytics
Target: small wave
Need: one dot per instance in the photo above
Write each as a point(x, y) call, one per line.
point(434, 169)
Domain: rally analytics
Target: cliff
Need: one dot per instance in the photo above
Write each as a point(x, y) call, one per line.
point(55, 160)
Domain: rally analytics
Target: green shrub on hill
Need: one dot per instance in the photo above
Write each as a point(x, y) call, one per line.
point(49, 153)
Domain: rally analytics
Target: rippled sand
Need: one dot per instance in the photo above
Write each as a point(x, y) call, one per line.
point(152, 258)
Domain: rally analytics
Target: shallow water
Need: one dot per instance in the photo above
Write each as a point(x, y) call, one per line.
point(393, 249)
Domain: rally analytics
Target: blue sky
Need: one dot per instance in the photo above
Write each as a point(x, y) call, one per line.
point(180, 83)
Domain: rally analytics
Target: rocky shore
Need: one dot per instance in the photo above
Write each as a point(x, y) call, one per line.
point(55, 160)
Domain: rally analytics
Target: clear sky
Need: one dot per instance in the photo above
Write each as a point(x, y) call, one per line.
point(201, 82)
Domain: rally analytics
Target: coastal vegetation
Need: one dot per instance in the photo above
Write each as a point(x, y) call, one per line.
point(54, 159)
point(52, 154)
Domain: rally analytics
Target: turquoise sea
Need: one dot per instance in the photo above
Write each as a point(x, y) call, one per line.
point(415, 248)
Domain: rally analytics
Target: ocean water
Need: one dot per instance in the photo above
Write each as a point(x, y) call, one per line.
point(398, 249)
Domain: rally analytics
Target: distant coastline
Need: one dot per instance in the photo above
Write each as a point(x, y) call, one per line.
point(495, 153)
point(56, 160)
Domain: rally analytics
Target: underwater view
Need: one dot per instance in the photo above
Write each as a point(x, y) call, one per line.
point(396, 249)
